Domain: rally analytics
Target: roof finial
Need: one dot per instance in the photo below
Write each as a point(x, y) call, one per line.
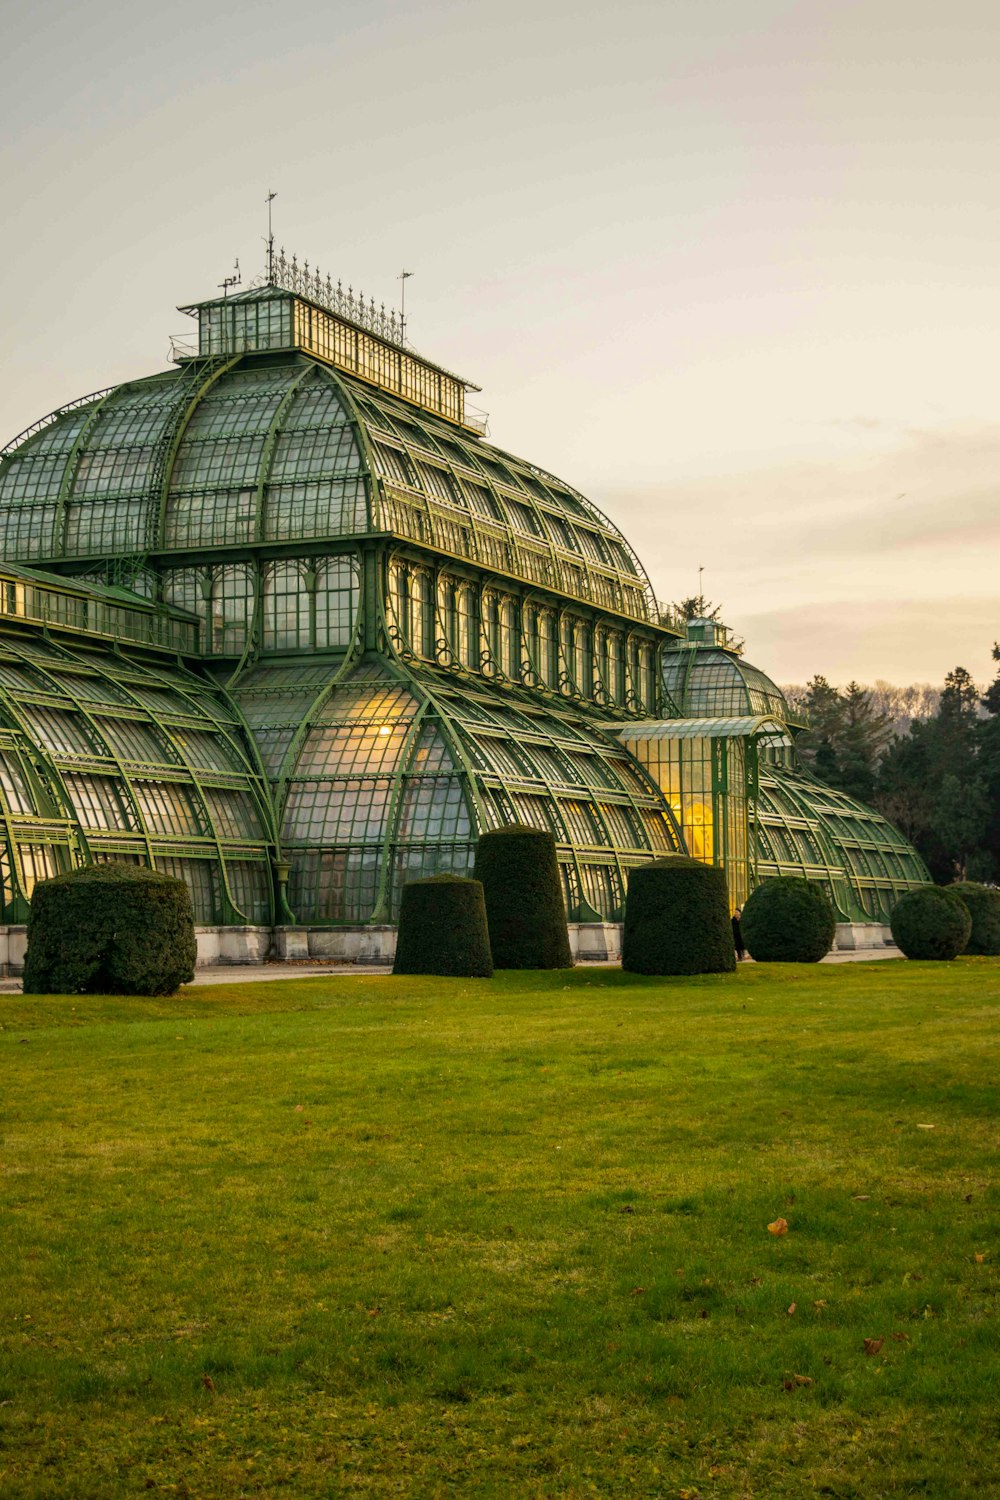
point(270, 238)
point(402, 278)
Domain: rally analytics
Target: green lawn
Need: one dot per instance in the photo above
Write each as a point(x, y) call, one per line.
point(431, 1237)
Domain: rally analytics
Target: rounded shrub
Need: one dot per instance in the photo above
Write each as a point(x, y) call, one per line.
point(524, 901)
point(983, 905)
point(111, 929)
point(788, 920)
point(677, 919)
point(442, 929)
point(931, 921)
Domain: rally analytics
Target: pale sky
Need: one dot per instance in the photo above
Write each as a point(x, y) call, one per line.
point(728, 266)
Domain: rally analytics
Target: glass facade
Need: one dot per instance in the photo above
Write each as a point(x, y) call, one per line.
point(796, 825)
point(104, 756)
point(382, 777)
point(281, 622)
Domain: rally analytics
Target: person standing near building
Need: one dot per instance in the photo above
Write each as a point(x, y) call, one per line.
point(738, 935)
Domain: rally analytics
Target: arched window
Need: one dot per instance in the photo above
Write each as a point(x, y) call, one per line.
point(337, 598)
point(583, 658)
point(549, 648)
point(231, 609)
point(491, 631)
point(510, 640)
point(287, 606)
point(467, 624)
point(422, 613)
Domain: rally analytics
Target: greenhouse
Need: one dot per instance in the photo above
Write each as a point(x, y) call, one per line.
point(281, 621)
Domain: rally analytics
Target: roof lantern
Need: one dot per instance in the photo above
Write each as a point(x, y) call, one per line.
point(297, 307)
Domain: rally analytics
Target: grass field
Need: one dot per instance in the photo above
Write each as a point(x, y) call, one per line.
point(428, 1237)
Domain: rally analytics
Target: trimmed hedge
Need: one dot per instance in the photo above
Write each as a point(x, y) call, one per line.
point(931, 922)
point(984, 908)
point(788, 920)
point(111, 929)
point(677, 919)
point(442, 929)
point(524, 900)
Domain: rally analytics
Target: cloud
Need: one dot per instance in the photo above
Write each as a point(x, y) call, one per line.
point(900, 641)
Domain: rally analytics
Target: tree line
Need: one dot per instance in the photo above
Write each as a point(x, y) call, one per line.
point(928, 760)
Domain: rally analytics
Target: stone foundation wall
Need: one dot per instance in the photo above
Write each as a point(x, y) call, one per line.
point(219, 946)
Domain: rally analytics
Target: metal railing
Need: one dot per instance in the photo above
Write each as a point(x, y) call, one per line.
point(182, 348)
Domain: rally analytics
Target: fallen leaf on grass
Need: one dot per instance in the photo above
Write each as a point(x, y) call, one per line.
point(980, 1257)
point(791, 1308)
point(900, 1338)
point(861, 1198)
point(637, 1291)
point(873, 1346)
point(779, 1227)
point(803, 1379)
point(819, 1306)
point(925, 1127)
point(299, 1108)
point(208, 1382)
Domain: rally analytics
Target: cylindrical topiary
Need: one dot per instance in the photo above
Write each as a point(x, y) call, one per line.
point(788, 920)
point(111, 929)
point(524, 900)
point(442, 929)
point(983, 905)
point(931, 921)
point(677, 919)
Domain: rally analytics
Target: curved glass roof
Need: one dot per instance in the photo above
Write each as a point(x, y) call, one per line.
point(104, 757)
point(705, 682)
point(385, 775)
point(264, 448)
point(803, 827)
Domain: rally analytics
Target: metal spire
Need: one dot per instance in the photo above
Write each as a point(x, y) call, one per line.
point(270, 238)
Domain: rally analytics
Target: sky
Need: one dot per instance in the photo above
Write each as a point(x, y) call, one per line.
point(730, 267)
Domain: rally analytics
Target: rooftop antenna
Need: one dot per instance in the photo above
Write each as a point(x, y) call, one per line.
point(270, 238)
point(701, 587)
point(234, 280)
point(402, 278)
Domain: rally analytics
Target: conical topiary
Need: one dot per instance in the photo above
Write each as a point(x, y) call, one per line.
point(984, 909)
point(677, 919)
point(931, 921)
point(524, 900)
point(442, 929)
point(788, 920)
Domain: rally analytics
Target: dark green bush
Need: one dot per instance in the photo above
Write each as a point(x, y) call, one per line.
point(677, 919)
point(524, 900)
point(442, 929)
point(788, 920)
point(984, 908)
point(111, 929)
point(931, 922)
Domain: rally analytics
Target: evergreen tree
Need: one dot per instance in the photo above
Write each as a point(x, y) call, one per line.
point(986, 863)
point(696, 608)
point(863, 735)
point(935, 784)
point(822, 707)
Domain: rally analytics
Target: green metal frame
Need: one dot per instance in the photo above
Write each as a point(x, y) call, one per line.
point(246, 462)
